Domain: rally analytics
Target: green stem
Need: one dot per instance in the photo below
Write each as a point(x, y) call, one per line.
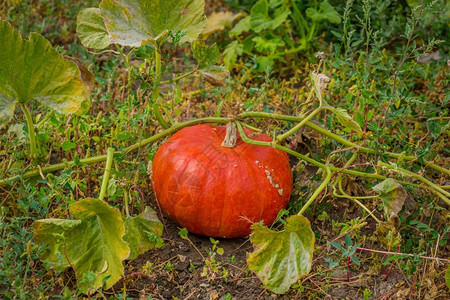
point(157, 83)
point(101, 158)
point(179, 77)
point(109, 160)
point(356, 200)
point(126, 200)
point(443, 194)
point(42, 122)
point(340, 139)
point(31, 132)
point(317, 192)
point(299, 125)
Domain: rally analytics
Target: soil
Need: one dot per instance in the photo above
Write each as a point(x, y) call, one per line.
point(178, 271)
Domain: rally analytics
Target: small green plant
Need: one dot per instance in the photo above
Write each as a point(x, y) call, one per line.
point(266, 34)
point(347, 254)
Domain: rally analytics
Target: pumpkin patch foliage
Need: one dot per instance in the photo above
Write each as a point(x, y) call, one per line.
point(181, 149)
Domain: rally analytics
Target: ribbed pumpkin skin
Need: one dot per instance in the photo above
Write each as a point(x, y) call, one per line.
point(216, 191)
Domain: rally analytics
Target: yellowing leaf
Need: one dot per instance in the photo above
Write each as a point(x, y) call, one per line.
point(92, 244)
point(215, 75)
point(281, 258)
point(91, 29)
point(137, 22)
point(32, 70)
point(218, 21)
point(393, 195)
point(388, 234)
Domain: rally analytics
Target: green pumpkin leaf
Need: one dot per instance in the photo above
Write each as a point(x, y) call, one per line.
point(141, 232)
point(91, 29)
point(267, 45)
point(242, 26)
point(393, 195)
point(281, 258)
point(93, 244)
point(231, 53)
point(205, 55)
point(137, 22)
point(260, 19)
point(32, 70)
point(325, 12)
point(215, 75)
point(54, 233)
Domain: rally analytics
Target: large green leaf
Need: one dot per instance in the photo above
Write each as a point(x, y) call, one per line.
point(91, 29)
point(142, 231)
point(32, 70)
point(260, 19)
point(325, 12)
point(137, 22)
point(92, 245)
point(393, 195)
point(280, 258)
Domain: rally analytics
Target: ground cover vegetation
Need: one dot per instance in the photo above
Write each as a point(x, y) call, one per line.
point(355, 92)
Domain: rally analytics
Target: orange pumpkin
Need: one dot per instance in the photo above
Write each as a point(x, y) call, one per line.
point(216, 191)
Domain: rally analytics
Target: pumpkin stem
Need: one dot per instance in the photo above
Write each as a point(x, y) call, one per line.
point(230, 137)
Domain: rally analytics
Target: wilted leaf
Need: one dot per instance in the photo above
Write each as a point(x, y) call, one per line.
point(91, 244)
point(32, 70)
point(231, 53)
point(205, 55)
point(260, 19)
point(137, 22)
point(281, 258)
point(215, 75)
point(325, 12)
point(91, 29)
point(86, 76)
point(345, 119)
point(393, 195)
point(218, 21)
point(320, 83)
point(138, 231)
point(388, 234)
